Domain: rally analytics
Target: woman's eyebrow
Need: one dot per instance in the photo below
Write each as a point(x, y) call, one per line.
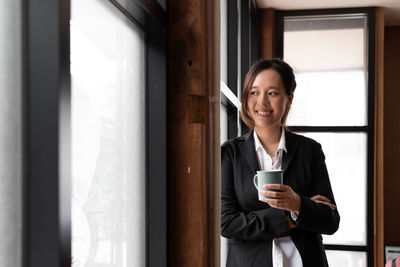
point(270, 87)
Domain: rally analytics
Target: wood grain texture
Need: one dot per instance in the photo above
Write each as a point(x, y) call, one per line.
point(392, 134)
point(379, 139)
point(266, 33)
point(193, 133)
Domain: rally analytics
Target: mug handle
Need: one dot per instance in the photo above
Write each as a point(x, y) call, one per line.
point(255, 181)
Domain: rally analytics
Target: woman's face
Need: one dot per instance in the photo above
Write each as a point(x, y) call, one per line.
point(267, 99)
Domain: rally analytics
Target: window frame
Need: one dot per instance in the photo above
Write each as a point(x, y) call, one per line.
point(47, 129)
point(368, 129)
point(242, 46)
point(242, 53)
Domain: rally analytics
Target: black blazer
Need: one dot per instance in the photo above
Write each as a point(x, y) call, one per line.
point(250, 225)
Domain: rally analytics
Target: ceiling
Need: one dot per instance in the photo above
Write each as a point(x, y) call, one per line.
point(391, 7)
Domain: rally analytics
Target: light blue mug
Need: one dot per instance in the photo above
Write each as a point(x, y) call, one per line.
point(267, 177)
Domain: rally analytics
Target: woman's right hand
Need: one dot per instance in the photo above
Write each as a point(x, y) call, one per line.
point(323, 200)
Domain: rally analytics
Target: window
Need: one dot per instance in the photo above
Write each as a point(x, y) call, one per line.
point(112, 139)
point(331, 55)
point(238, 51)
point(107, 123)
point(108, 137)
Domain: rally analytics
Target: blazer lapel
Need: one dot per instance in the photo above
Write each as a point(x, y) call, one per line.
point(247, 148)
point(291, 146)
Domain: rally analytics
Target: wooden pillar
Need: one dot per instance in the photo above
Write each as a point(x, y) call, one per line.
point(193, 133)
point(266, 33)
point(392, 133)
point(379, 140)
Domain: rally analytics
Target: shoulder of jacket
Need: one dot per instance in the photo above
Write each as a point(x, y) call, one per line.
point(233, 142)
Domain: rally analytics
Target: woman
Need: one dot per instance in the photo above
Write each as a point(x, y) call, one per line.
point(285, 231)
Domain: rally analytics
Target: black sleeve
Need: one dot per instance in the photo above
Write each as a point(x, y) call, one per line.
point(314, 216)
point(260, 224)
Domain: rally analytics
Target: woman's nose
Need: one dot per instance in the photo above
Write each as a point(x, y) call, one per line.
point(264, 99)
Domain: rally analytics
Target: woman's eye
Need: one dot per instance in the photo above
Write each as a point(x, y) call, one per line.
point(273, 93)
point(253, 93)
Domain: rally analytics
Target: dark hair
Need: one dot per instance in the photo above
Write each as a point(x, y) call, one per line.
point(287, 76)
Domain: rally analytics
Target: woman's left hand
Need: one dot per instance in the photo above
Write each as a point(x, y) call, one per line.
point(323, 200)
point(285, 200)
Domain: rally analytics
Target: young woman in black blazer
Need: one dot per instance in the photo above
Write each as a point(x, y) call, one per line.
point(305, 207)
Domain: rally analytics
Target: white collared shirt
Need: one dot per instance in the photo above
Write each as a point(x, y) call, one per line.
point(284, 252)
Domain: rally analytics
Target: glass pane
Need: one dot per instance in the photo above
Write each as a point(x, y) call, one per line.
point(347, 166)
point(329, 58)
point(224, 109)
point(108, 137)
point(223, 138)
point(11, 133)
point(346, 258)
point(223, 123)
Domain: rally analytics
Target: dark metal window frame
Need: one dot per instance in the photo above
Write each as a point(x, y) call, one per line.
point(242, 53)
point(233, 27)
point(46, 129)
point(368, 129)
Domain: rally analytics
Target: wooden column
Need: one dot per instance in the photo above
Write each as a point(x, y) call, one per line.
point(266, 33)
point(193, 133)
point(379, 140)
point(392, 133)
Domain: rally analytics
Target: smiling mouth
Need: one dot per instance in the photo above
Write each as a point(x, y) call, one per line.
point(264, 113)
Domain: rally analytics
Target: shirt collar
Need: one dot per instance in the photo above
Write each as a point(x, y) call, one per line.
point(281, 145)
